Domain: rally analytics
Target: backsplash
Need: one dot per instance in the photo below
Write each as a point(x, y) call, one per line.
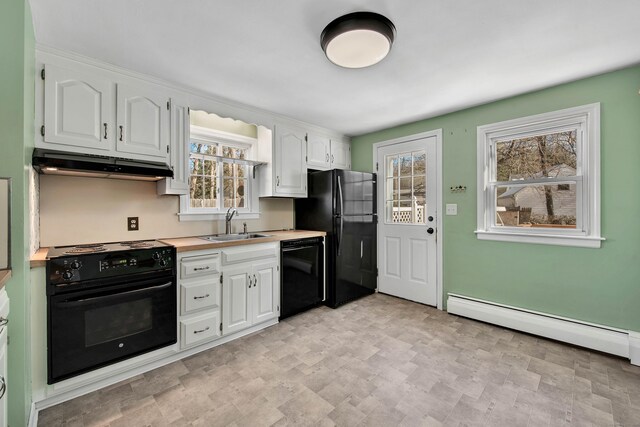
point(75, 210)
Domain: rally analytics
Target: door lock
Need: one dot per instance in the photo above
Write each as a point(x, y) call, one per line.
point(430, 218)
point(430, 230)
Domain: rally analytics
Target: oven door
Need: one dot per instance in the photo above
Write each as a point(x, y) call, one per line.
point(92, 328)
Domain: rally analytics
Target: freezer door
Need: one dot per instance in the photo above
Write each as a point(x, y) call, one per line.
point(358, 192)
point(316, 211)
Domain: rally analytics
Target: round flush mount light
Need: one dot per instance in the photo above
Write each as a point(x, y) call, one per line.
point(358, 40)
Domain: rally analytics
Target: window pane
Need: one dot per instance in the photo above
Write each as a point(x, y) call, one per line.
point(420, 189)
point(406, 161)
point(392, 165)
point(195, 165)
point(549, 155)
point(229, 192)
point(197, 147)
point(227, 169)
point(196, 191)
point(209, 168)
point(541, 206)
point(241, 171)
point(241, 185)
point(209, 193)
point(419, 163)
point(405, 188)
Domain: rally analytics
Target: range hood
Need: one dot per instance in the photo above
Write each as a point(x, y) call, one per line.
point(92, 166)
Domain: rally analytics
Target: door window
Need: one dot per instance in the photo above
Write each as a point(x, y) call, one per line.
point(406, 188)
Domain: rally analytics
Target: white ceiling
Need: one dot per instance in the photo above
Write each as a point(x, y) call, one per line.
point(448, 54)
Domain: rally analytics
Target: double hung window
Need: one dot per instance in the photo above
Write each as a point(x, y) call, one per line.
point(538, 179)
point(219, 174)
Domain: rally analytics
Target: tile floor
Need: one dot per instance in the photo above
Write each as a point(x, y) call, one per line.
point(379, 361)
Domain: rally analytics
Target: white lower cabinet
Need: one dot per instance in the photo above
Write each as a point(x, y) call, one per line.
point(199, 296)
point(250, 286)
point(4, 316)
point(226, 291)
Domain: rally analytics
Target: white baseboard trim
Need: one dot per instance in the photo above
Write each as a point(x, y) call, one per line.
point(79, 389)
point(597, 337)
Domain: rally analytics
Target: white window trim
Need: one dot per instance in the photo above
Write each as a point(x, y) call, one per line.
point(588, 166)
point(213, 136)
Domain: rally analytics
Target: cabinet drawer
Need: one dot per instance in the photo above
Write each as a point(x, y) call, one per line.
point(249, 253)
point(200, 294)
point(199, 266)
point(199, 329)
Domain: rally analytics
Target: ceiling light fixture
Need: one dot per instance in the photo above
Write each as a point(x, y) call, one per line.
point(358, 40)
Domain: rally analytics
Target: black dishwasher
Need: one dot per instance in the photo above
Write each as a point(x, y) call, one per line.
point(302, 285)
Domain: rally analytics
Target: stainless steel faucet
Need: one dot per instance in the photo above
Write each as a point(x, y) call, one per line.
point(230, 213)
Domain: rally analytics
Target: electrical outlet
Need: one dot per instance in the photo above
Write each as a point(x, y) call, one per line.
point(133, 224)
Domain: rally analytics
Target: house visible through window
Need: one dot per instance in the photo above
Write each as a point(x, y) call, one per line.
point(539, 179)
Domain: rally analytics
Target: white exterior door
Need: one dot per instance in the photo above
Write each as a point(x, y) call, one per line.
point(407, 208)
point(78, 109)
point(236, 301)
point(143, 121)
point(265, 292)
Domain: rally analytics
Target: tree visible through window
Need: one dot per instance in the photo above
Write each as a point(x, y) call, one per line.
point(215, 180)
point(539, 178)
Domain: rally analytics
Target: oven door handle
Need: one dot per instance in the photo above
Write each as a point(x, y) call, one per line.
point(296, 248)
point(85, 301)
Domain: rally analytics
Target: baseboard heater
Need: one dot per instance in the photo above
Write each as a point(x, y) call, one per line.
point(597, 337)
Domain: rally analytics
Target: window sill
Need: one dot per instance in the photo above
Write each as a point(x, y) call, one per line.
point(207, 216)
point(542, 239)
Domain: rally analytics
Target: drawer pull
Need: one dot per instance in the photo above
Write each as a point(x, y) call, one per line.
point(201, 297)
point(201, 268)
point(3, 321)
point(202, 330)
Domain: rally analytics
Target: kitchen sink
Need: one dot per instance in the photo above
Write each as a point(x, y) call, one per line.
point(229, 237)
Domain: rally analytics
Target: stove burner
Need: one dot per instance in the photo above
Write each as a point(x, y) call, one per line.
point(86, 249)
point(138, 244)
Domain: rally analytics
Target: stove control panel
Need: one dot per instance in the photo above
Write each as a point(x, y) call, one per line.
point(71, 269)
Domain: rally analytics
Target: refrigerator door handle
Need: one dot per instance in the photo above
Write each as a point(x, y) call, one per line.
point(341, 216)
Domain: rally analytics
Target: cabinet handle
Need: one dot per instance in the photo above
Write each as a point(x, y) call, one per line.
point(203, 296)
point(3, 387)
point(199, 268)
point(121, 131)
point(105, 131)
point(202, 330)
point(332, 159)
point(3, 321)
point(277, 181)
point(255, 281)
point(327, 157)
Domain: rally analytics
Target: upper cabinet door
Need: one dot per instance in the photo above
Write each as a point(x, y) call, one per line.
point(340, 155)
point(290, 163)
point(318, 151)
point(178, 151)
point(78, 109)
point(143, 121)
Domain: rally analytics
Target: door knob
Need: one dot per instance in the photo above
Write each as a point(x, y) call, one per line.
point(430, 230)
point(430, 218)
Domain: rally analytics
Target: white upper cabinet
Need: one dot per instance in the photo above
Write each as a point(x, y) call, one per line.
point(325, 153)
point(178, 151)
point(285, 172)
point(340, 154)
point(290, 162)
point(318, 151)
point(143, 120)
point(78, 109)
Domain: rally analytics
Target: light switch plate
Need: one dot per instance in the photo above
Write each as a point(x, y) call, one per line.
point(452, 209)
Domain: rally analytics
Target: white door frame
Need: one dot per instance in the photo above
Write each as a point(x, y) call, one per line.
point(439, 190)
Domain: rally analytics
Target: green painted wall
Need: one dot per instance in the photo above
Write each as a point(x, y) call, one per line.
point(595, 285)
point(17, 50)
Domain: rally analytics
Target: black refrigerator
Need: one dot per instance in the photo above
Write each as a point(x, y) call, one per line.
point(343, 204)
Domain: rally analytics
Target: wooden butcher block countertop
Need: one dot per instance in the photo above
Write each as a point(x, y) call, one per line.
point(184, 244)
